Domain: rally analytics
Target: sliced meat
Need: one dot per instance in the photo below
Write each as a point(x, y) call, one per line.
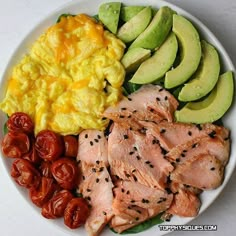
point(207, 145)
point(175, 187)
point(137, 157)
point(92, 147)
point(185, 204)
point(203, 171)
point(95, 185)
point(135, 203)
point(150, 102)
point(171, 134)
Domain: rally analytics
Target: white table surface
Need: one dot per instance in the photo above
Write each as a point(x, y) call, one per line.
point(17, 17)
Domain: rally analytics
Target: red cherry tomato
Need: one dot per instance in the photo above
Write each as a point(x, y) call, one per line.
point(71, 146)
point(45, 169)
point(49, 145)
point(65, 172)
point(76, 213)
point(25, 174)
point(41, 194)
point(20, 122)
point(56, 206)
point(15, 144)
point(32, 155)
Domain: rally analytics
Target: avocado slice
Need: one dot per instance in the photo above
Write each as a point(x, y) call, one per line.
point(135, 26)
point(134, 57)
point(156, 66)
point(128, 12)
point(156, 32)
point(109, 15)
point(189, 41)
point(211, 108)
point(206, 76)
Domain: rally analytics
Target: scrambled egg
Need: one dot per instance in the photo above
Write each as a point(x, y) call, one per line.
point(69, 77)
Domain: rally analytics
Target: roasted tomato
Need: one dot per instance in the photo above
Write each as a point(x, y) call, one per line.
point(32, 155)
point(15, 144)
point(25, 174)
point(76, 213)
point(56, 206)
point(71, 146)
point(65, 171)
point(49, 145)
point(45, 169)
point(20, 122)
point(41, 194)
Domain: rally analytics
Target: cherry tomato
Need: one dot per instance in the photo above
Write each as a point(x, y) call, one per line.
point(49, 145)
point(25, 174)
point(20, 122)
point(32, 155)
point(65, 171)
point(45, 169)
point(71, 146)
point(15, 144)
point(56, 206)
point(41, 194)
point(76, 213)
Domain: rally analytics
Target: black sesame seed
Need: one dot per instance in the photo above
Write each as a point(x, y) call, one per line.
point(91, 143)
point(127, 175)
point(147, 201)
point(151, 166)
point(182, 155)
point(131, 153)
point(93, 169)
point(129, 116)
point(99, 136)
point(83, 177)
point(123, 108)
point(88, 198)
point(189, 133)
point(168, 220)
point(154, 141)
point(101, 169)
point(151, 110)
point(89, 190)
point(143, 200)
point(138, 158)
point(212, 168)
point(86, 135)
point(121, 116)
point(160, 201)
point(122, 190)
point(161, 89)
point(163, 199)
point(162, 131)
point(194, 145)
point(135, 149)
point(97, 161)
point(106, 179)
point(96, 140)
point(134, 111)
point(184, 150)
point(126, 136)
point(139, 211)
point(177, 160)
point(132, 201)
point(133, 170)
point(212, 134)
point(163, 151)
point(137, 218)
point(166, 98)
point(147, 162)
point(128, 192)
point(158, 99)
point(130, 99)
point(135, 178)
point(227, 138)
point(168, 190)
point(199, 126)
point(104, 118)
point(104, 213)
point(97, 180)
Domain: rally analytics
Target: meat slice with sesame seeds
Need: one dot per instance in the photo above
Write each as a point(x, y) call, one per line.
point(150, 102)
point(130, 150)
point(95, 184)
point(141, 204)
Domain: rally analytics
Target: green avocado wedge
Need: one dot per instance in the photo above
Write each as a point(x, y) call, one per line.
point(135, 26)
point(128, 12)
point(157, 31)
point(206, 76)
point(134, 57)
point(190, 44)
point(156, 66)
point(212, 107)
point(109, 15)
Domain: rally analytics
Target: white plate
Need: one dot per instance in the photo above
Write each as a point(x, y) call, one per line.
point(85, 6)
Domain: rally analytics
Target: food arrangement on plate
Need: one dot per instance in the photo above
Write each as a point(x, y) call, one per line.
point(115, 119)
